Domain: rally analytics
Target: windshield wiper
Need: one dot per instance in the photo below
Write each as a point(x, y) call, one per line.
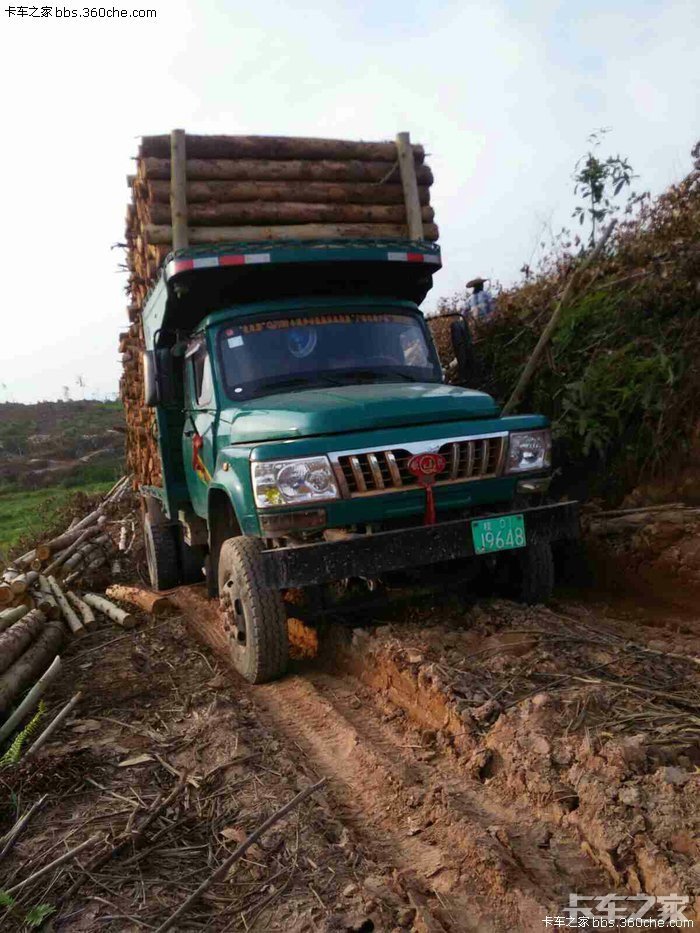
point(307, 381)
point(374, 374)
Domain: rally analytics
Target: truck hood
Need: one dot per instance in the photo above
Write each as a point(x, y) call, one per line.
point(352, 408)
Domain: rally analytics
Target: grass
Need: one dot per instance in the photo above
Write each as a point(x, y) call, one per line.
point(26, 511)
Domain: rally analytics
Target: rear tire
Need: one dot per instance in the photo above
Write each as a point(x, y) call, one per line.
point(161, 554)
point(254, 617)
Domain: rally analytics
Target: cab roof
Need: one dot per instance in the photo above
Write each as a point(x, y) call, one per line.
point(199, 280)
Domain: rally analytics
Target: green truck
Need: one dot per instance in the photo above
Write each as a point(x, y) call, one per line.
point(307, 436)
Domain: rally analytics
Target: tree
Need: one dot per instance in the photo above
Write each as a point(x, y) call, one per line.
point(598, 182)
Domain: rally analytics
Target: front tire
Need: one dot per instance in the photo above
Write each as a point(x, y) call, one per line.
point(254, 617)
point(535, 573)
point(161, 554)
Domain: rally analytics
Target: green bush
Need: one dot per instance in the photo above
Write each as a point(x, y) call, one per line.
point(621, 378)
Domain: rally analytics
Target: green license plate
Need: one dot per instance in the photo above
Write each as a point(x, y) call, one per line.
point(498, 534)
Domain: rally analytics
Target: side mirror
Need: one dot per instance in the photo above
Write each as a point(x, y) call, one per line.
point(159, 384)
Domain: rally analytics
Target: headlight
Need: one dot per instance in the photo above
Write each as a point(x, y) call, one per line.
point(293, 482)
point(529, 450)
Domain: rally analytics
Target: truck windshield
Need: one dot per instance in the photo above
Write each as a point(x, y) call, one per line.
point(328, 349)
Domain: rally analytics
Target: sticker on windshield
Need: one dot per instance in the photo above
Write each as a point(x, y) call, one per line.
point(234, 342)
point(256, 327)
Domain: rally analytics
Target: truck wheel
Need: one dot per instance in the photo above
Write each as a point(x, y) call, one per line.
point(161, 554)
point(254, 618)
point(534, 573)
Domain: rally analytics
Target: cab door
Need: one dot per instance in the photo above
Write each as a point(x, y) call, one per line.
point(200, 418)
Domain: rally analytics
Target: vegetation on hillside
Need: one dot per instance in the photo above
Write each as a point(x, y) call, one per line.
point(621, 380)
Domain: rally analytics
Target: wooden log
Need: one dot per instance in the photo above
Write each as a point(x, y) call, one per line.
point(410, 187)
point(313, 192)
point(86, 613)
point(63, 555)
point(29, 667)
point(68, 537)
point(16, 582)
point(86, 552)
point(276, 147)
point(178, 193)
point(162, 234)
point(46, 602)
point(15, 640)
point(5, 594)
point(69, 614)
point(258, 213)
point(9, 616)
point(125, 619)
point(30, 702)
point(154, 603)
point(261, 170)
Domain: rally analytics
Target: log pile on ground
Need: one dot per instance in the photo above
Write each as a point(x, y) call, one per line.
point(38, 611)
point(251, 189)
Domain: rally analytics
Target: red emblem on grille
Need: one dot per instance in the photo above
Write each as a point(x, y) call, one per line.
point(426, 468)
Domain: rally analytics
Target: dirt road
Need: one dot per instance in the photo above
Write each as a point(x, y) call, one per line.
point(484, 763)
point(493, 761)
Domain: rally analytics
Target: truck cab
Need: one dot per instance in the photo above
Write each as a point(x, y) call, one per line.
point(307, 436)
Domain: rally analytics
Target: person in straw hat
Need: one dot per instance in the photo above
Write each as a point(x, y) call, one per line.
point(480, 305)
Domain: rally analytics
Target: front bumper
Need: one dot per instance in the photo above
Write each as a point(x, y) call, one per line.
point(370, 556)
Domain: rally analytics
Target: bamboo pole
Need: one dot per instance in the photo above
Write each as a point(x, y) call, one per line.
point(410, 186)
point(53, 725)
point(61, 860)
point(546, 335)
point(8, 841)
point(228, 863)
point(30, 702)
point(178, 189)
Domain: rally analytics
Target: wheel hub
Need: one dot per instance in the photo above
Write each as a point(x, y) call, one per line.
point(233, 612)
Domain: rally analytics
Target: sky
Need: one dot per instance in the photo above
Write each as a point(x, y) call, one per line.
point(502, 93)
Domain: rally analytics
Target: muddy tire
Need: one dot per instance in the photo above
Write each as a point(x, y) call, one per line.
point(534, 577)
point(253, 615)
point(161, 554)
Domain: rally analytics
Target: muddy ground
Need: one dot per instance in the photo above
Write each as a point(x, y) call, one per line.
point(483, 760)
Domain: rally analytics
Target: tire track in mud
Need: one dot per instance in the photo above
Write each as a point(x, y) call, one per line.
point(478, 863)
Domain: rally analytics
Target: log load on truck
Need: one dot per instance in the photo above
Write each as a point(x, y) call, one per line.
point(289, 426)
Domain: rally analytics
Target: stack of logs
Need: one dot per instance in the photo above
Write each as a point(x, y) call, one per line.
point(250, 189)
point(37, 610)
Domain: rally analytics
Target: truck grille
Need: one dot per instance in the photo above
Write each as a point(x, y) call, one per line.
point(365, 472)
